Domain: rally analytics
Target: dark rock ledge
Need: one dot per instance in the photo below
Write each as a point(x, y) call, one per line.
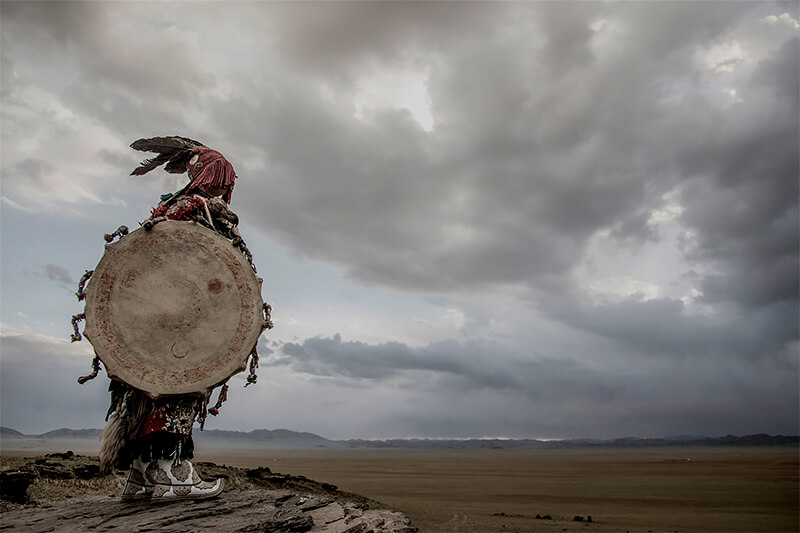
point(63, 499)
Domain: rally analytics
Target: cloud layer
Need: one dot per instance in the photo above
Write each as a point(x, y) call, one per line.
point(598, 200)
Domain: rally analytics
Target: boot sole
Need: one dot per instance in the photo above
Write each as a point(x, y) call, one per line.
point(190, 496)
point(168, 499)
point(135, 498)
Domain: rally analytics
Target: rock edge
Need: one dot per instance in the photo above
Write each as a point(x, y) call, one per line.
point(66, 494)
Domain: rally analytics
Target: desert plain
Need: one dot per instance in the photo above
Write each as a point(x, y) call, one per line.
point(719, 489)
point(671, 489)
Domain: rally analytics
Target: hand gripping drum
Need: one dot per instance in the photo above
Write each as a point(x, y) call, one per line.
point(175, 309)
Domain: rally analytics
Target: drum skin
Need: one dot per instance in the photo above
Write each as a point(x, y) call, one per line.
point(176, 309)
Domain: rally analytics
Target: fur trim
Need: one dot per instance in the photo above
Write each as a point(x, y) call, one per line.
point(111, 442)
point(140, 408)
point(119, 432)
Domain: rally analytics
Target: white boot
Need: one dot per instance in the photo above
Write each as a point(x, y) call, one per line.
point(178, 480)
point(136, 485)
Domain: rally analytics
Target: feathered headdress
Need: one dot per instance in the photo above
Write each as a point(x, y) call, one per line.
point(206, 167)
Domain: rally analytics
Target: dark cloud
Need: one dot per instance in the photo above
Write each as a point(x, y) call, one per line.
point(337, 40)
point(518, 173)
point(533, 152)
point(123, 162)
point(32, 171)
point(39, 389)
point(553, 123)
point(445, 365)
point(57, 25)
point(134, 85)
point(743, 202)
point(82, 35)
point(356, 360)
point(662, 327)
point(456, 390)
point(788, 6)
point(462, 384)
point(57, 273)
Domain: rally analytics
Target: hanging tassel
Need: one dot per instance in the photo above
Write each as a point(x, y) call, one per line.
point(268, 316)
point(80, 294)
point(95, 370)
point(252, 378)
point(75, 319)
point(125, 407)
point(201, 418)
point(223, 396)
point(239, 243)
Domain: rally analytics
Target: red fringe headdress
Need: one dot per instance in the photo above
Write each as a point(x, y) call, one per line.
point(206, 167)
point(209, 168)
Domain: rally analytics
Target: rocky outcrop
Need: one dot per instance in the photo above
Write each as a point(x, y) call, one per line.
point(14, 485)
point(234, 511)
point(68, 494)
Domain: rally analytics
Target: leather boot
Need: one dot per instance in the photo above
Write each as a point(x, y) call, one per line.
point(136, 485)
point(178, 480)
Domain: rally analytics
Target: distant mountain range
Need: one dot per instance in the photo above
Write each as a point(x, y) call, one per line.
point(287, 439)
point(63, 433)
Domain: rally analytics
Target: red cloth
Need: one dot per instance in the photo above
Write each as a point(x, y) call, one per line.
point(156, 421)
point(173, 415)
point(182, 209)
point(210, 168)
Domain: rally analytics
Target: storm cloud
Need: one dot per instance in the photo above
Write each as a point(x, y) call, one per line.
point(537, 201)
point(550, 396)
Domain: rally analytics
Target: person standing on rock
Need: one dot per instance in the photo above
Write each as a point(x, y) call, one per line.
point(153, 438)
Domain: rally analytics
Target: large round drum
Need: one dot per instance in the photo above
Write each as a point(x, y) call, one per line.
point(175, 309)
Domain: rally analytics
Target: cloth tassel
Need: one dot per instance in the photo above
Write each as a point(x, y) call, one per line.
point(95, 370)
point(223, 396)
point(201, 418)
point(253, 378)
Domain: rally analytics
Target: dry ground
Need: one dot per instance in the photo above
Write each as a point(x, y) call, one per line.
point(636, 490)
point(656, 489)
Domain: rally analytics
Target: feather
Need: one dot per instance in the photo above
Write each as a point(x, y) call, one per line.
point(177, 165)
point(174, 151)
point(149, 164)
point(165, 144)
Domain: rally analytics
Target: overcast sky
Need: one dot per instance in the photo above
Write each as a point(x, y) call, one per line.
point(543, 220)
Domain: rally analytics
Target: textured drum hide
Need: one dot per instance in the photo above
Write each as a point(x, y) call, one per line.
point(175, 309)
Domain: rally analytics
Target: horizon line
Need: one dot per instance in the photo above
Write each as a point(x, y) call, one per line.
point(460, 439)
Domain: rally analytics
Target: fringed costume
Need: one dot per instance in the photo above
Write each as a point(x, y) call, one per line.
point(153, 438)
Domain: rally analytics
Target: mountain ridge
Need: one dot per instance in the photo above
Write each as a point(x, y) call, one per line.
point(300, 439)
